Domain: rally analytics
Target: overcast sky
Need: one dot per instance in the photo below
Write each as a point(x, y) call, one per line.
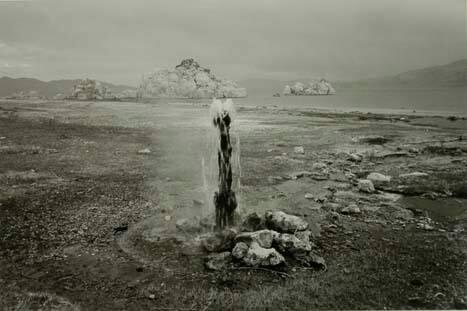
point(118, 41)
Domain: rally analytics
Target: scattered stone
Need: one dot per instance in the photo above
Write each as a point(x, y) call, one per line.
point(152, 296)
point(347, 195)
point(354, 157)
point(426, 227)
point(320, 176)
point(219, 241)
point(319, 166)
point(240, 250)
point(167, 217)
point(318, 261)
point(414, 150)
point(274, 179)
point(121, 228)
point(264, 238)
point(309, 196)
point(391, 154)
point(207, 222)
point(188, 225)
point(414, 174)
point(351, 209)
point(445, 150)
point(259, 256)
point(312, 260)
point(301, 174)
point(198, 203)
point(144, 151)
point(416, 282)
point(372, 140)
point(253, 222)
point(321, 198)
point(365, 185)
point(331, 206)
point(299, 150)
point(333, 216)
point(378, 178)
point(315, 228)
point(305, 236)
point(461, 303)
point(283, 222)
point(217, 261)
point(430, 195)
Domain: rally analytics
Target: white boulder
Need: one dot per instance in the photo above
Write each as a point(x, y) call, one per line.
point(378, 178)
point(285, 223)
point(259, 256)
point(365, 185)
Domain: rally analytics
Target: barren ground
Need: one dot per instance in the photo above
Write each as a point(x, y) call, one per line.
point(70, 173)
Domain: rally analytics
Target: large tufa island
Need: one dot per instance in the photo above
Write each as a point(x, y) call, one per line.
point(321, 87)
point(188, 80)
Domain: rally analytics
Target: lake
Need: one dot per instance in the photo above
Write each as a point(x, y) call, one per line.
point(446, 101)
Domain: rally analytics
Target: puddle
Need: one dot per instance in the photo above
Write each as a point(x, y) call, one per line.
point(438, 210)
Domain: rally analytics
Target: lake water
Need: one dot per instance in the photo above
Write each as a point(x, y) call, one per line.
point(448, 101)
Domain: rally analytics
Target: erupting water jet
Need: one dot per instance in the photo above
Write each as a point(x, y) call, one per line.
point(225, 201)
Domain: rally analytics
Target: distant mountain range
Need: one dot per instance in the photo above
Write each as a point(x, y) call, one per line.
point(451, 75)
point(8, 86)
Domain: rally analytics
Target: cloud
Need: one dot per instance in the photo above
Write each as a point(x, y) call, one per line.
point(117, 39)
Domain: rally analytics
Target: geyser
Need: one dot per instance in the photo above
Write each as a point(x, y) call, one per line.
point(225, 201)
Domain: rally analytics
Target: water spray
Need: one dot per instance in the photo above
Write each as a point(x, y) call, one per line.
point(225, 201)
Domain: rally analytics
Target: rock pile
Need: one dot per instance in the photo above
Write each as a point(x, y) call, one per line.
point(265, 241)
point(321, 87)
point(188, 80)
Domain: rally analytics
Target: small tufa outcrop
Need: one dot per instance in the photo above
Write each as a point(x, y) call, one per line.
point(321, 87)
point(88, 89)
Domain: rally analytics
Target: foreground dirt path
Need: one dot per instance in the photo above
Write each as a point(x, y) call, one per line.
point(72, 180)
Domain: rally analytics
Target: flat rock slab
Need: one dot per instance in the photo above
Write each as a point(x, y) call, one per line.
point(264, 238)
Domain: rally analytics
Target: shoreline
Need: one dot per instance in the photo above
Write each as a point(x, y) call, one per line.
point(316, 109)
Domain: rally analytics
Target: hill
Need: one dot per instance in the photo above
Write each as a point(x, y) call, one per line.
point(8, 86)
